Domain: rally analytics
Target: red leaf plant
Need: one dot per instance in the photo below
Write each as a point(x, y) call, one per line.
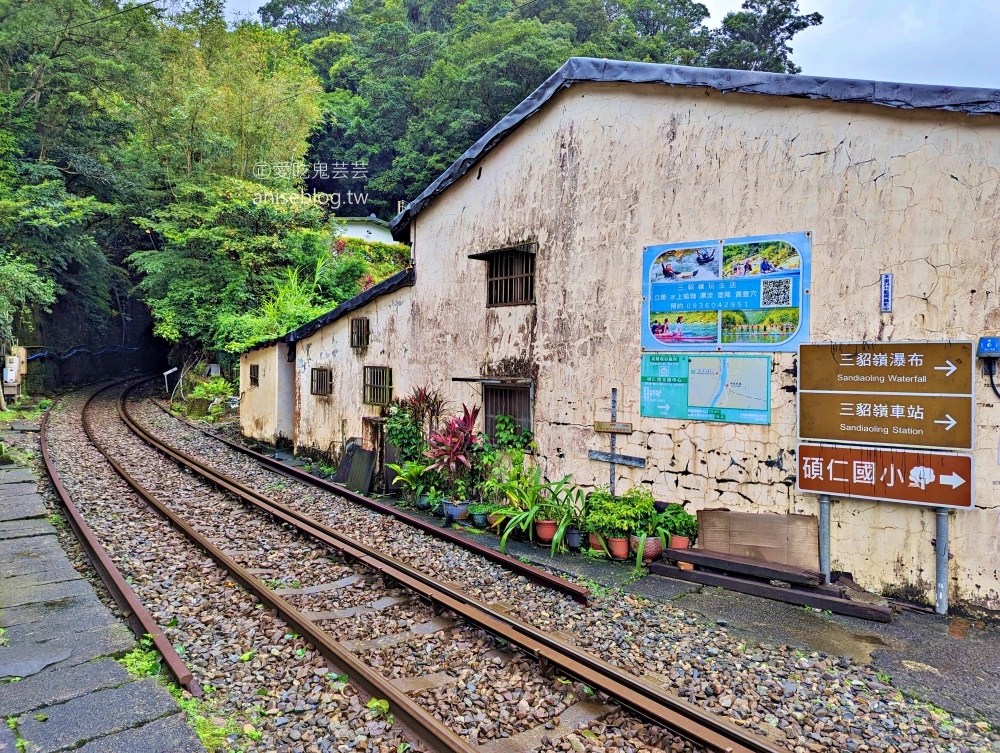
point(451, 448)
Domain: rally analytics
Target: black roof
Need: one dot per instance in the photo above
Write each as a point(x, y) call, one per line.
point(578, 70)
point(403, 279)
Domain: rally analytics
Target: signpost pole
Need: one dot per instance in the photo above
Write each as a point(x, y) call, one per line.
point(824, 535)
point(941, 550)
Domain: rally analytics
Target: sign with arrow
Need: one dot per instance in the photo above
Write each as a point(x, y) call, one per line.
point(914, 394)
point(916, 477)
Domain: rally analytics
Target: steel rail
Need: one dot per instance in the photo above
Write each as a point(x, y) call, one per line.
point(133, 610)
point(647, 700)
point(427, 730)
point(578, 593)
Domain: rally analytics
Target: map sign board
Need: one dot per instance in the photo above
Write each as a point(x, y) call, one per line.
point(917, 394)
point(916, 477)
point(739, 294)
point(707, 387)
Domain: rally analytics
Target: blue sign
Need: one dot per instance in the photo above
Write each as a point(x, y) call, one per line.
point(707, 387)
point(741, 294)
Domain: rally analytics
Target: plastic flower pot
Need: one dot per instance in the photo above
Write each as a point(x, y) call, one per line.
point(545, 530)
point(456, 510)
point(652, 548)
point(618, 548)
point(573, 538)
point(681, 542)
point(480, 519)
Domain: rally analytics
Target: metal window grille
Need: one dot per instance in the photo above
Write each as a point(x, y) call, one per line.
point(506, 400)
point(254, 375)
point(321, 381)
point(378, 385)
point(510, 280)
point(360, 332)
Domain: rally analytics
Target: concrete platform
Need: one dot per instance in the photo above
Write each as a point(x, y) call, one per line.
point(59, 680)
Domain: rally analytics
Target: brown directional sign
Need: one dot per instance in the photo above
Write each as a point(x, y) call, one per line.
point(917, 477)
point(915, 394)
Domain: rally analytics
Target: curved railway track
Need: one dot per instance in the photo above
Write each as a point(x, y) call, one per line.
point(550, 653)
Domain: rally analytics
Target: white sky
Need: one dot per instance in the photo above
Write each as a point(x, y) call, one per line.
point(916, 41)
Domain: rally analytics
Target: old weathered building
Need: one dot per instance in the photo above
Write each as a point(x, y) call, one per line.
point(555, 206)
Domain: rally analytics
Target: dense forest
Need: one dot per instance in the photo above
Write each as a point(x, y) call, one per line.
point(152, 151)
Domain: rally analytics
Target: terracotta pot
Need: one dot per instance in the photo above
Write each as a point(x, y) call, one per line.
point(618, 548)
point(681, 542)
point(651, 550)
point(596, 541)
point(493, 519)
point(545, 530)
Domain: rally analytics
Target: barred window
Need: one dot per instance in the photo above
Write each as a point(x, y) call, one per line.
point(378, 385)
point(510, 275)
point(254, 375)
point(360, 332)
point(321, 381)
point(506, 400)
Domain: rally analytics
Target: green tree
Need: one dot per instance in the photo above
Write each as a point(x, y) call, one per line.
point(757, 37)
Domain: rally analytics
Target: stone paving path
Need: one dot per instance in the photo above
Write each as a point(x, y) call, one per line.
point(60, 640)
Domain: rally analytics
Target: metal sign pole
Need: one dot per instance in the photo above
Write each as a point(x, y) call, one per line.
point(824, 535)
point(941, 552)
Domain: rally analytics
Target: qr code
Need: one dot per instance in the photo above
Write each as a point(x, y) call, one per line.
point(776, 292)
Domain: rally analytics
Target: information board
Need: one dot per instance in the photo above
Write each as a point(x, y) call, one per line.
point(739, 294)
point(707, 387)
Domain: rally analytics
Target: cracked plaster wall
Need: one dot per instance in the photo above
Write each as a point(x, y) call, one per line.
point(266, 410)
point(606, 169)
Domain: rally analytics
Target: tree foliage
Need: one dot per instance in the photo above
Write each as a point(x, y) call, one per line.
point(141, 147)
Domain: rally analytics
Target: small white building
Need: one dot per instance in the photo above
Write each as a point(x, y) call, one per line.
point(367, 229)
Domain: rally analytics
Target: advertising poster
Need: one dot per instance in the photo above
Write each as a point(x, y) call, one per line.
point(707, 387)
point(740, 294)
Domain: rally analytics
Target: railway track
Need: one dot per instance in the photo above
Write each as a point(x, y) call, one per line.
point(321, 611)
point(650, 702)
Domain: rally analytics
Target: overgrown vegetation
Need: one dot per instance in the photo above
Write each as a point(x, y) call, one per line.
point(159, 147)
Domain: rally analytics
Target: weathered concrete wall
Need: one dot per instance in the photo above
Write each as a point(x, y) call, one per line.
point(607, 169)
point(266, 411)
point(325, 422)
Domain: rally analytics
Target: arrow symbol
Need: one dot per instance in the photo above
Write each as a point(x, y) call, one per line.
point(950, 368)
point(953, 480)
point(948, 421)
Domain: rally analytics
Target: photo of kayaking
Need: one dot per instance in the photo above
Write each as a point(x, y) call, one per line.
point(678, 264)
point(682, 327)
point(762, 258)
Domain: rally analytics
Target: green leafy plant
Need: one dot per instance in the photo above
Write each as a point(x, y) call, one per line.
point(378, 707)
point(508, 435)
point(411, 477)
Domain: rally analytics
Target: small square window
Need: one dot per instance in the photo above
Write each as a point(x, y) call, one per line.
point(506, 400)
point(378, 385)
point(510, 275)
point(360, 332)
point(321, 381)
point(254, 375)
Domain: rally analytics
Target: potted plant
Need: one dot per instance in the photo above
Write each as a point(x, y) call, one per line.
point(597, 501)
point(567, 503)
point(411, 478)
point(526, 503)
point(618, 518)
point(435, 501)
point(480, 513)
point(682, 528)
point(451, 451)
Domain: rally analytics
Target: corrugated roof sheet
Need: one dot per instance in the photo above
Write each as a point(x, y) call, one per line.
point(577, 70)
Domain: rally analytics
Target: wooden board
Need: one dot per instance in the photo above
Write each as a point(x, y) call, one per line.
point(734, 563)
point(799, 596)
point(784, 539)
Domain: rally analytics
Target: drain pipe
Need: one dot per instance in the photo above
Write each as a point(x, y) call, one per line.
point(941, 550)
point(824, 535)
